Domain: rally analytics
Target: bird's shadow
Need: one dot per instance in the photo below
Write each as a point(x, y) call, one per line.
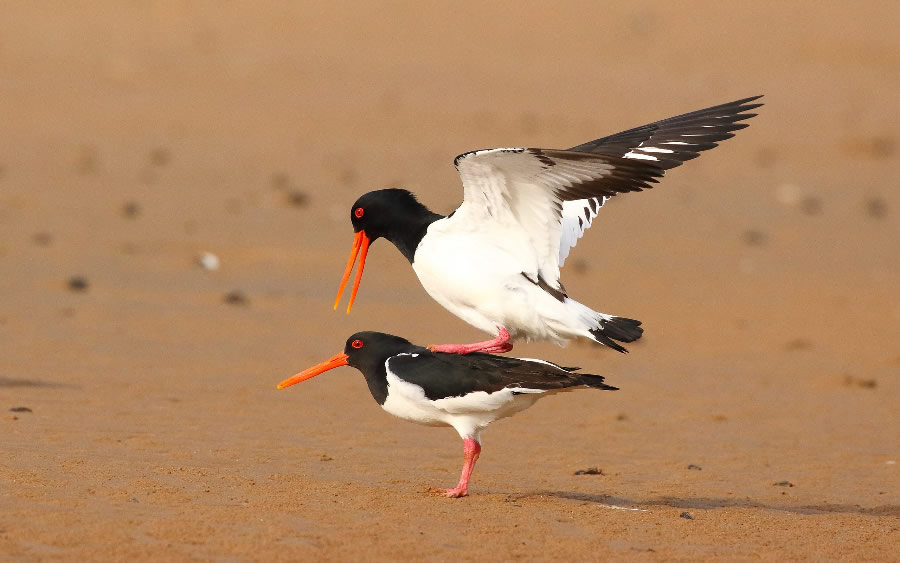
point(705, 503)
point(18, 382)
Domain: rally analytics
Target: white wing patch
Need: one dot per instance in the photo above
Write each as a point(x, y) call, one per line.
point(577, 217)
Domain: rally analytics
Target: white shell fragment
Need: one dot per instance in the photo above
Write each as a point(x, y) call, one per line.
point(208, 261)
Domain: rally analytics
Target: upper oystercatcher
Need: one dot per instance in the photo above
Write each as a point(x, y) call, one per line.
point(494, 262)
point(465, 392)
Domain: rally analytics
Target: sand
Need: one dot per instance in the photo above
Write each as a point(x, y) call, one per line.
point(757, 419)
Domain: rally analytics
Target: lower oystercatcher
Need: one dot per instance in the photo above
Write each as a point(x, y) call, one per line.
point(495, 261)
point(467, 392)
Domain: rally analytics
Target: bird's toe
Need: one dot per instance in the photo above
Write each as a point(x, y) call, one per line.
point(455, 493)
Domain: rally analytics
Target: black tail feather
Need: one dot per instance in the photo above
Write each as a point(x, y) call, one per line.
point(595, 381)
point(617, 328)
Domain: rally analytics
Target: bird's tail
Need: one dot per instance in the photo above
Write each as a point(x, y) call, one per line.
point(595, 381)
point(607, 329)
point(612, 328)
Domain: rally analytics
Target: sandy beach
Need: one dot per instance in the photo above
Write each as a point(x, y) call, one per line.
point(757, 419)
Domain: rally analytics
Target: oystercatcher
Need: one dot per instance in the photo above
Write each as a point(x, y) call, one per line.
point(467, 392)
point(495, 261)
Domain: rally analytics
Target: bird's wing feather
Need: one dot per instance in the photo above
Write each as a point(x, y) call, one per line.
point(668, 143)
point(524, 190)
point(451, 375)
point(577, 217)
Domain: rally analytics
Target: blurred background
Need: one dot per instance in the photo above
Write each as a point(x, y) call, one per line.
point(175, 182)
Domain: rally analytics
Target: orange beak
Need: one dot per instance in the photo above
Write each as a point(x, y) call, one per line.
point(361, 247)
point(331, 363)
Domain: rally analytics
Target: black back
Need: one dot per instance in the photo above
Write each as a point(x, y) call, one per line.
point(453, 375)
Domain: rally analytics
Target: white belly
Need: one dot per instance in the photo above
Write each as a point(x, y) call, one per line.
point(469, 415)
point(479, 279)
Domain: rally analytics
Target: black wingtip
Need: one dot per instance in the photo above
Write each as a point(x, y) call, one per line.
point(744, 103)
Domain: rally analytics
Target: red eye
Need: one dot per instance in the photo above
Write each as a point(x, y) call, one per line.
point(356, 343)
point(358, 212)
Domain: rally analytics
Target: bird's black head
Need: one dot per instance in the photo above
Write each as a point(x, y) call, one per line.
point(394, 214)
point(366, 351)
point(387, 213)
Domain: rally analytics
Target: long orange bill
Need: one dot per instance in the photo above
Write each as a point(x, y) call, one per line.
point(331, 363)
point(359, 270)
point(360, 246)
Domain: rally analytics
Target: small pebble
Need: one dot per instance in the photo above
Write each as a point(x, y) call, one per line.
point(580, 266)
point(811, 205)
point(130, 248)
point(621, 416)
point(590, 471)
point(783, 484)
point(280, 181)
point(208, 261)
point(695, 467)
point(326, 457)
point(160, 156)
point(78, 283)
point(752, 237)
point(236, 297)
point(851, 381)
point(131, 209)
point(798, 344)
point(297, 198)
point(883, 147)
point(88, 161)
point(20, 409)
point(348, 176)
point(42, 239)
point(876, 208)
point(686, 516)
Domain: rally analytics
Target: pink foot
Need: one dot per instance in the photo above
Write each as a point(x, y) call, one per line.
point(471, 449)
point(499, 345)
point(456, 493)
point(449, 493)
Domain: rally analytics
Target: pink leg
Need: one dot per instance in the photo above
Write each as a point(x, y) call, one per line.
point(472, 450)
point(497, 345)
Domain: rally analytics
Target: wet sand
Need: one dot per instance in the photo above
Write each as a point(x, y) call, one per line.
point(757, 418)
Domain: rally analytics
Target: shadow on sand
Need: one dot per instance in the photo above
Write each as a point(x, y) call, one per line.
point(702, 503)
point(13, 382)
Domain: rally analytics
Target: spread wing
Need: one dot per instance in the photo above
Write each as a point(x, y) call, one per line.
point(667, 143)
point(523, 190)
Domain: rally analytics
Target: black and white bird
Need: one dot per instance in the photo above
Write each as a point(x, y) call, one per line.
point(467, 392)
point(495, 261)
